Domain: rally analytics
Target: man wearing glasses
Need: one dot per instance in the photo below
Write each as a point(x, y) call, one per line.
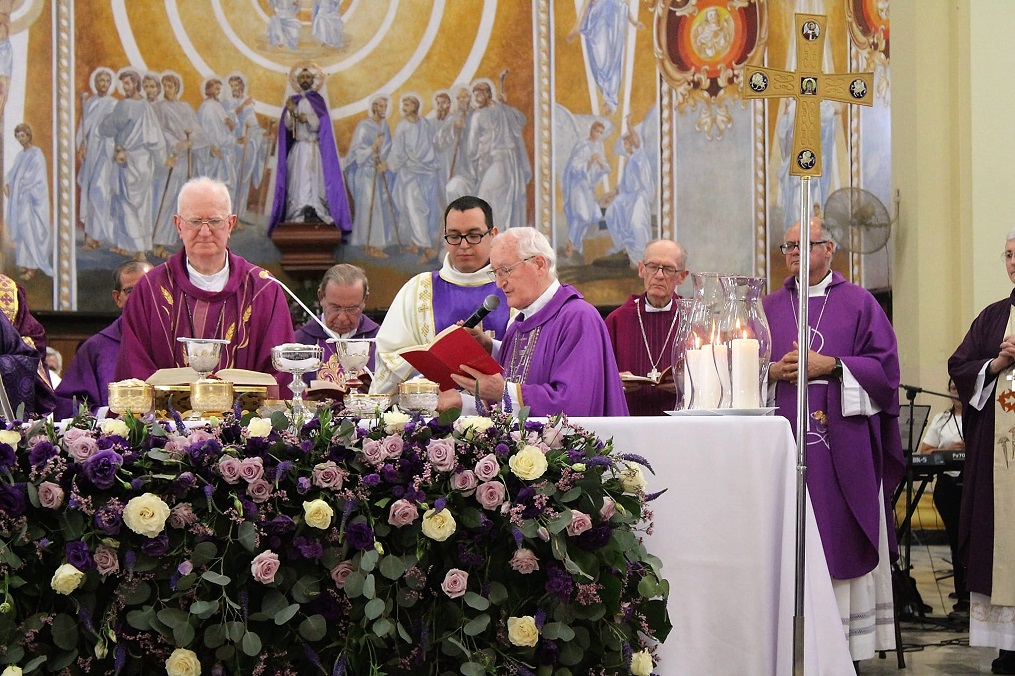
point(91, 370)
point(204, 291)
point(556, 353)
point(854, 452)
point(342, 296)
point(642, 330)
point(432, 301)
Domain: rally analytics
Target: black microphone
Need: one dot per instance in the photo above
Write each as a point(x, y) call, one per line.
point(490, 304)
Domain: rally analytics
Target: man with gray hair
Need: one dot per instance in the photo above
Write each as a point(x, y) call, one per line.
point(342, 295)
point(556, 353)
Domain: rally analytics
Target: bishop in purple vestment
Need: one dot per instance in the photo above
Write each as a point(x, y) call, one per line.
point(643, 328)
point(14, 304)
point(19, 365)
point(556, 355)
point(204, 291)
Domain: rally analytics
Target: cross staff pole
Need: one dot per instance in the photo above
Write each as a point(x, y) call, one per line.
point(808, 86)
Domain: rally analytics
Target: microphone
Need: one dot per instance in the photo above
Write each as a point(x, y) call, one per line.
point(264, 274)
point(490, 303)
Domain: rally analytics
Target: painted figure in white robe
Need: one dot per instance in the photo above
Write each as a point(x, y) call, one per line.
point(374, 220)
point(283, 25)
point(498, 155)
point(416, 193)
point(138, 147)
point(95, 155)
point(453, 138)
point(585, 166)
point(327, 24)
point(184, 136)
point(6, 52)
point(216, 160)
point(248, 151)
point(151, 86)
point(603, 24)
point(28, 221)
point(629, 204)
point(441, 119)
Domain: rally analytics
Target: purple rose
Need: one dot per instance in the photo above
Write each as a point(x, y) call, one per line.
point(580, 522)
point(374, 453)
point(50, 495)
point(41, 452)
point(156, 547)
point(102, 467)
point(328, 475)
point(78, 555)
point(360, 536)
point(182, 515)
point(264, 566)
point(12, 500)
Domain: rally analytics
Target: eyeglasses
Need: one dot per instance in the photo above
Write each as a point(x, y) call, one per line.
point(347, 309)
point(454, 239)
point(198, 223)
point(667, 270)
point(795, 246)
point(504, 271)
point(1008, 255)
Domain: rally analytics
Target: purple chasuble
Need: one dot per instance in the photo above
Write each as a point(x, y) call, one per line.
point(563, 359)
point(848, 457)
point(311, 333)
point(334, 184)
point(250, 312)
point(20, 366)
point(453, 303)
point(14, 304)
point(976, 518)
point(89, 373)
point(629, 349)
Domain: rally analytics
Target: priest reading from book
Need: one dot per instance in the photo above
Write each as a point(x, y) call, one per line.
point(643, 328)
point(204, 291)
point(854, 451)
point(342, 295)
point(556, 353)
point(432, 301)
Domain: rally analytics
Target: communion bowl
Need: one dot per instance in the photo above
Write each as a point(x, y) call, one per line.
point(296, 357)
point(210, 395)
point(203, 353)
point(361, 404)
point(131, 396)
point(419, 395)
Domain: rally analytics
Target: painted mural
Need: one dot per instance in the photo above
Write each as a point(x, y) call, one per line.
point(605, 123)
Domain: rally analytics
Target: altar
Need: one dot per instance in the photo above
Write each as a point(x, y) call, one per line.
point(725, 531)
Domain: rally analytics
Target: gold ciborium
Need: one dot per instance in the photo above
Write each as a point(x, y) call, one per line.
point(419, 395)
point(131, 396)
point(211, 396)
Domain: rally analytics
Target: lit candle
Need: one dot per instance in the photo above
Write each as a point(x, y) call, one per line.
point(746, 372)
point(707, 386)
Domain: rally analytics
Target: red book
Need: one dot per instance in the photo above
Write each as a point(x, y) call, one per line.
point(451, 348)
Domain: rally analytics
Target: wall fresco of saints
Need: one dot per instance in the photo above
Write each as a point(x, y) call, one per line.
point(605, 123)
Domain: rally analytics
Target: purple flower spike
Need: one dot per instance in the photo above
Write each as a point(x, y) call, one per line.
point(632, 457)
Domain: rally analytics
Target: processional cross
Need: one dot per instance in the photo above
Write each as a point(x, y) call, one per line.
point(809, 86)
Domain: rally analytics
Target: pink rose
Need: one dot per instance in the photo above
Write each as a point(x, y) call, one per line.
point(392, 445)
point(465, 481)
point(441, 453)
point(259, 490)
point(340, 572)
point(487, 467)
point(524, 561)
point(373, 452)
point(553, 437)
point(50, 495)
point(251, 469)
point(490, 494)
point(105, 560)
point(181, 515)
point(79, 444)
point(175, 445)
point(608, 509)
point(328, 475)
point(455, 583)
point(199, 436)
point(264, 566)
point(580, 522)
point(229, 468)
point(402, 513)
point(37, 439)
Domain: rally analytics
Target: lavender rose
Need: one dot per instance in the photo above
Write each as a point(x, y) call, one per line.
point(340, 572)
point(264, 566)
point(79, 444)
point(465, 481)
point(251, 469)
point(490, 494)
point(487, 467)
point(182, 515)
point(580, 522)
point(229, 469)
point(524, 561)
point(106, 561)
point(441, 453)
point(50, 495)
point(328, 475)
point(392, 445)
point(374, 453)
point(455, 583)
point(259, 490)
point(402, 513)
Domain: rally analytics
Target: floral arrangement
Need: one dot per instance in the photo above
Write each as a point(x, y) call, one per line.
point(395, 545)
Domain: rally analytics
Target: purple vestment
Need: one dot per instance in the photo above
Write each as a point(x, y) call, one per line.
point(453, 303)
point(88, 376)
point(570, 368)
point(848, 457)
point(976, 518)
point(250, 311)
point(19, 365)
point(311, 333)
point(629, 349)
point(14, 304)
point(334, 184)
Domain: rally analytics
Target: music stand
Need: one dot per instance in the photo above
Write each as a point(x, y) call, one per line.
point(912, 421)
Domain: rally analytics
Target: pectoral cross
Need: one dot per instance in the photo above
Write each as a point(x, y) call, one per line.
point(809, 86)
point(654, 375)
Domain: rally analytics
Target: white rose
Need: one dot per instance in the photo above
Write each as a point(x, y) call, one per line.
point(471, 426)
point(12, 439)
point(12, 670)
point(632, 480)
point(522, 630)
point(146, 515)
point(641, 663)
point(439, 526)
point(66, 579)
point(318, 514)
point(114, 427)
point(259, 427)
point(183, 662)
point(528, 464)
point(394, 421)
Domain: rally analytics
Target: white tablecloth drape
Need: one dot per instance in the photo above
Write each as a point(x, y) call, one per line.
point(725, 531)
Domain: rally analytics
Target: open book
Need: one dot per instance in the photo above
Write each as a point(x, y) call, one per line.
point(185, 375)
point(450, 348)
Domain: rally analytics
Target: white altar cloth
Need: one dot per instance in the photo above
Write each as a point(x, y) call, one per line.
point(725, 531)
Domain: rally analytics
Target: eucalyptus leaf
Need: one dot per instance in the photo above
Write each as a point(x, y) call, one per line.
point(65, 631)
point(203, 553)
point(134, 592)
point(33, 664)
point(62, 660)
point(498, 593)
point(369, 560)
point(283, 616)
point(369, 587)
point(474, 600)
point(557, 630)
point(382, 627)
point(392, 567)
point(374, 608)
point(279, 421)
point(247, 535)
point(183, 634)
point(173, 617)
point(273, 602)
point(235, 631)
point(225, 653)
point(473, 669)
point(214, 636)
point(203, 607)
point(562, 521)
point(216, 578)
point(477, 626)
point(314, 628)
point(251, 644)
point(354, 584)
point(140, 619)
point(306, 589)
